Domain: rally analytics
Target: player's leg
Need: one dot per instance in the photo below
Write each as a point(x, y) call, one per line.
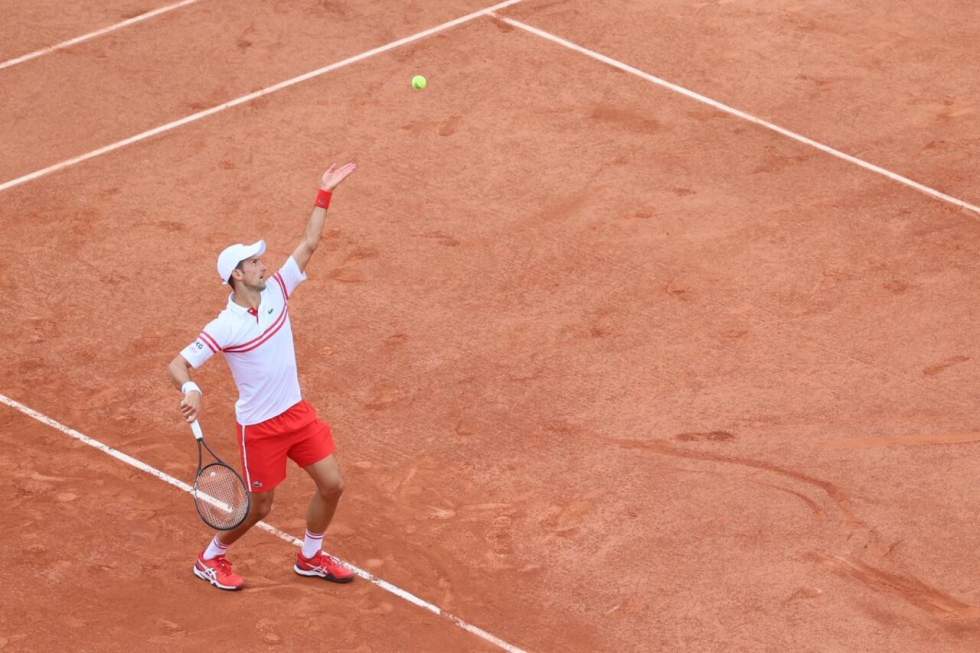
point(329, 487)
point(261, 507)
point(263, 467)
point(312, 561)
point(314, 452)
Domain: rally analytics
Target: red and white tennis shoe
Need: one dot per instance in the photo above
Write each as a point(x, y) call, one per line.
point(323, 566)
point(218, 572)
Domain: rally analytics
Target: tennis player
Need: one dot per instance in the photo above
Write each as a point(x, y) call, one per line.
point(274, 421)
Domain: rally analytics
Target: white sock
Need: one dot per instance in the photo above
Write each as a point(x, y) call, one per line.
point(215, 549)
point(311, 544)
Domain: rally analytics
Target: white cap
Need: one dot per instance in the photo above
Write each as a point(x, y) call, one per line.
point(231, 256)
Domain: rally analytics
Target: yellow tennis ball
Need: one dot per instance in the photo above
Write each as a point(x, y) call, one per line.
point(419, 82)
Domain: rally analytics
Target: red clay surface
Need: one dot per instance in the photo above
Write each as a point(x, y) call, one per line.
point(893, 83)
point(607, 370)
point(104, 90)
point(30, 25)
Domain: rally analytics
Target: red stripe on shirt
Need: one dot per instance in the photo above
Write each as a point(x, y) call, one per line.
point(210, 342)
point(252, 344)
point(282, 284)
point(260, 337)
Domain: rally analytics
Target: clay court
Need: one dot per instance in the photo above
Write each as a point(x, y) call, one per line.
point(610, 366)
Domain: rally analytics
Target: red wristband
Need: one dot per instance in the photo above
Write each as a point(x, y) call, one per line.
point(323, 198)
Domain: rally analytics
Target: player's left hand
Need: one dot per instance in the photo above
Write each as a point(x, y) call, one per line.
point(334, 175)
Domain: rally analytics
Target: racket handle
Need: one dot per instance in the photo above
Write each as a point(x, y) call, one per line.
point(196, 427)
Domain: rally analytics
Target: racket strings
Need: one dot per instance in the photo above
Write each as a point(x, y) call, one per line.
point(221, 497)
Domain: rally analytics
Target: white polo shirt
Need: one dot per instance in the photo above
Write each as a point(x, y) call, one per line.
point(258, 346)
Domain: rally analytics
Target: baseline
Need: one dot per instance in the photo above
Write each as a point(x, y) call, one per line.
point(738, 113)
point(295, 541)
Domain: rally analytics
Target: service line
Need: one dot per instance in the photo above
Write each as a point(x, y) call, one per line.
point(99, 32)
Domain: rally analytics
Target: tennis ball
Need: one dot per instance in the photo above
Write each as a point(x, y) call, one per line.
point(419, 82)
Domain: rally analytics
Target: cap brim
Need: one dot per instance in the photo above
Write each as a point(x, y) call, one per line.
point(255, 249)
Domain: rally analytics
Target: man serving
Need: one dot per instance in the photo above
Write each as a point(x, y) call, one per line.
point(274, 421)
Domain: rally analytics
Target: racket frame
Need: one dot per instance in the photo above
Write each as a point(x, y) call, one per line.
point(201, 445)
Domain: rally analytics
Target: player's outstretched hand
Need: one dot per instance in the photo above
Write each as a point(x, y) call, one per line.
point(334, 175)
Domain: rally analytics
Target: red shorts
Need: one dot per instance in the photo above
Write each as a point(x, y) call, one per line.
point(298, 433)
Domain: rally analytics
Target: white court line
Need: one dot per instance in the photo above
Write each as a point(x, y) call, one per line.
point(163, 476)
point(252, 96)
point(740, 114)
point(91, 35)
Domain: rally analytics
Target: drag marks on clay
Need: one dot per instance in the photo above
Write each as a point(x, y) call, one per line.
point(267, 629)
point(943, 365)
point(396, 340)
point(621, 118)
point(349, 272)
point(565, 521)
point(639, 214)
point(170, 226)
point(450, 126)
point(564, 208)
point(807, 501)
point(709, 436)
point(908, 440)
point(500, 536)
point(831, 491)
point(909, 588)
point(492, 522)
point(804, 593)
point(441, 238)
point(444, 128)
point(677, 290)
point(859, 538)
point(896, 286)
point(776, 163)
point(384, 396)
point(501, 25)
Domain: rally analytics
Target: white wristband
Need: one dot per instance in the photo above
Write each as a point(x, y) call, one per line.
point(190, 386)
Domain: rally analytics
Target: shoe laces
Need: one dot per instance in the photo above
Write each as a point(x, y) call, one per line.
point(321, 559)
point(223, 563)
point(332, 561)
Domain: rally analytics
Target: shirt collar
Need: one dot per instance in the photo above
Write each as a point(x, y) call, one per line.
point(238, 309)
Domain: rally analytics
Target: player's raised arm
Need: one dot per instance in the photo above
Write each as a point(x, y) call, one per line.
point(311, 238)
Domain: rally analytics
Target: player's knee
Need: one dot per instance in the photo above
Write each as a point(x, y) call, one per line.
point(332, 487)
point(261, 505)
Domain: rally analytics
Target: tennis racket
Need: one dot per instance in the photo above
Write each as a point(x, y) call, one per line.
point(220, 495)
